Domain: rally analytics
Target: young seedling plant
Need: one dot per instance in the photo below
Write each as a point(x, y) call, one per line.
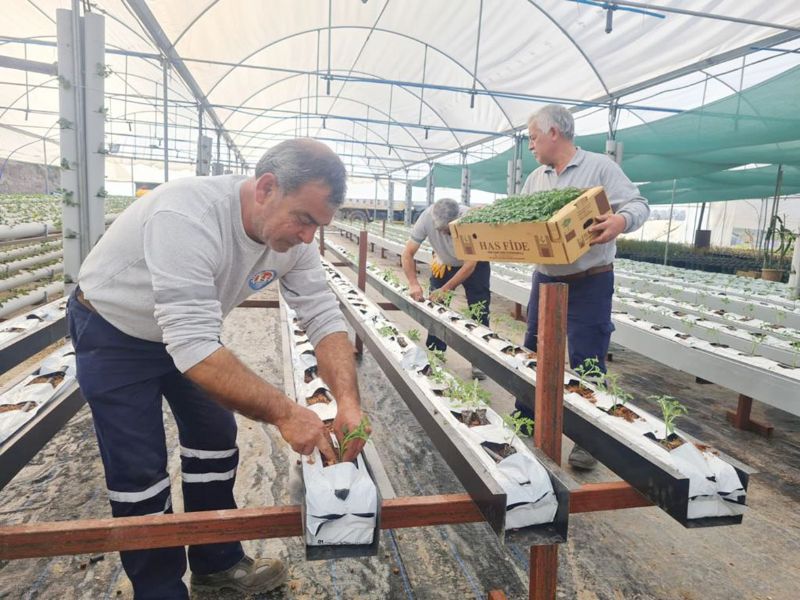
point(475, 311)
point(387, 331)
point(436, 361)
point(615, 391)
point(589, 370)
point(468, 394)
point(521, 425)
point(391, 277)
point(413, 335)
point(671, 409)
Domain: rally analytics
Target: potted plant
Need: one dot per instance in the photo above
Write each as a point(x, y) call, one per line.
point(785, 238)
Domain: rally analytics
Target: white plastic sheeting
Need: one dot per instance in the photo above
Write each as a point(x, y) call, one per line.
point(263, 66)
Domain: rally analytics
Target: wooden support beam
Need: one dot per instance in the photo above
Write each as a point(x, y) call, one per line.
point(517, 314)
point(387, 306)
point(136, 533)
point(322, 240)
point(592, 497)
point(741, 418)
point(208, 527)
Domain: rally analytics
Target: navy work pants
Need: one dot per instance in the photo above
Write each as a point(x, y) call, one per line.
point(589, 325)
point(476, 288)
point(123, 379)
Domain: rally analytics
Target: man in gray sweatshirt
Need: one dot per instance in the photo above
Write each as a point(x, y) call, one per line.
point(145, 321)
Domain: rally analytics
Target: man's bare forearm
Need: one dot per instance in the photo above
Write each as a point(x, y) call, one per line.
point(236, 387)
point(409, 268)
point(337, 367)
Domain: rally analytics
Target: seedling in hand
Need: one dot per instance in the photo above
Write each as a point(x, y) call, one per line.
point(359, 433)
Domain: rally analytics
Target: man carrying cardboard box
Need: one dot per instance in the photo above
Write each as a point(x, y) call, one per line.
point(591, 277)
point(447, 271)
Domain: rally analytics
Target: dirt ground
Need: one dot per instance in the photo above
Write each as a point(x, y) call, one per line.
point(632, 554)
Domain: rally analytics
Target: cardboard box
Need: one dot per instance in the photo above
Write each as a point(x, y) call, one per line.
point(559, 241)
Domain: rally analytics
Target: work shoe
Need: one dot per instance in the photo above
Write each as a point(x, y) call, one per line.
point(581, 459)
point(248, 575)
point(478, 374)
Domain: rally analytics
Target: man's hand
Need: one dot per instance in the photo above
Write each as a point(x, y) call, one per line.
point(415, 291)
point(348, 418)
point(438, 295)
point(607, 228)
point(303, 430)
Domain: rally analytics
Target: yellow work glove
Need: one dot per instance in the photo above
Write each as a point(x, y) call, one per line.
point(438, 269)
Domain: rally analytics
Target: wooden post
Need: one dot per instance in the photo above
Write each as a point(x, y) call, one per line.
point(517, 314)
point(362, 275)
point(321, 240)
point(544, 572)
point(550, 369)
point(549, 409)
point(383, 229)
point(741, 418)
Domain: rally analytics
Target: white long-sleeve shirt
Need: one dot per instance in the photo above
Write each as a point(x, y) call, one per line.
point(589, 169)
point(178, 260)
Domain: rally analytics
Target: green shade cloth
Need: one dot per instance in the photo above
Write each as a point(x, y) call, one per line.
point(696, 147)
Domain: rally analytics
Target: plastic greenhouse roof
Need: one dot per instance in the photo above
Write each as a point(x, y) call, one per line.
point(759, 125)
point(408, 79)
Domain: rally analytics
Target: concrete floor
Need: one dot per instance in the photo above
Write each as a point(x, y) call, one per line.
point(631, 554)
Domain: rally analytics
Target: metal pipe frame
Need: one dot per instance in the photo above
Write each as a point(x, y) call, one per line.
point(659, 482)
point(151, 25)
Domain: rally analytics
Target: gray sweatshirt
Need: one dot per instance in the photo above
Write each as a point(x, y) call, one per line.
point(589, 169)
point(178, 260)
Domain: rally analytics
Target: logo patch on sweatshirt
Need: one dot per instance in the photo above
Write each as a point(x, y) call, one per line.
point(261, 279)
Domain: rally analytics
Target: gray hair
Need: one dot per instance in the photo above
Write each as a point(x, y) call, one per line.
point(555, 117)
point(298, 162)
point(443, 211)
